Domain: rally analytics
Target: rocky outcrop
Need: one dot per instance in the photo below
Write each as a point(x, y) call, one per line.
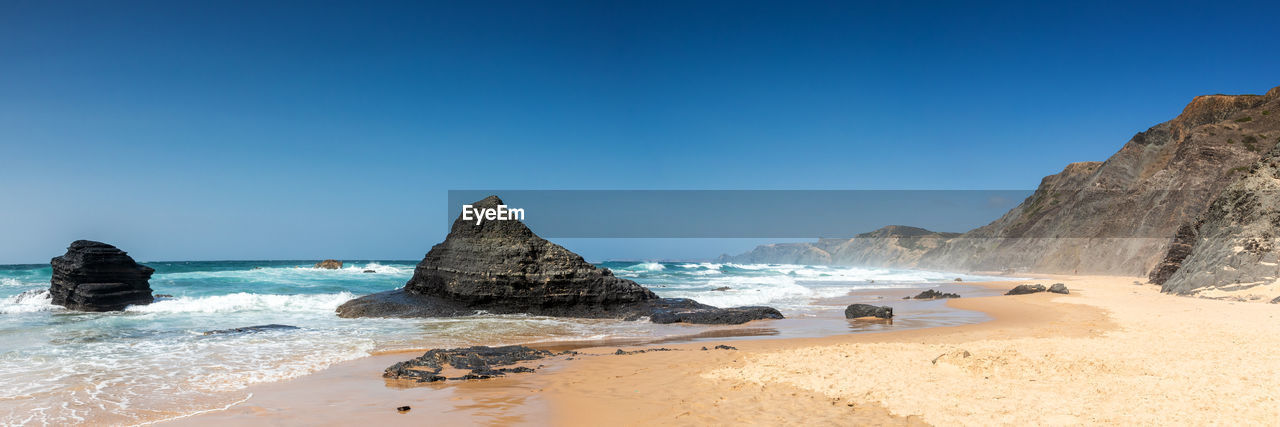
point(1234, 246)
point(1059, 288)
point(481, 363)
point(1112, 217)
point(856, 311)
point(1179, 250)
point(329, 264)
point(1026, 289)
point(502, 267)
point(95, 276)
point(713, 316)
point(934, 294)
point(893, 245)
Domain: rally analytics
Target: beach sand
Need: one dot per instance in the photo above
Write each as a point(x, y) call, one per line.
point(1111, 352)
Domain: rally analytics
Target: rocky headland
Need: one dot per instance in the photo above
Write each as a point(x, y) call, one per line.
point(502, 267)
point(1121, 216)
point(95, 276)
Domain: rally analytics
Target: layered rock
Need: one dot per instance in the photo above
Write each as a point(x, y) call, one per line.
point(503, 267)
point(1234, 244)
point(95, 276)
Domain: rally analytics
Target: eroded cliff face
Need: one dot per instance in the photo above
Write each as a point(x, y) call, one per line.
point(1232, 249)
point(1113, 217)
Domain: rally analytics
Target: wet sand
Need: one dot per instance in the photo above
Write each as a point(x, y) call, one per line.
point(1109, 353)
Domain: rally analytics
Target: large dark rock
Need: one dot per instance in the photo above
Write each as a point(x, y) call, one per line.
point(855, 311)
point(1026, 289)
point(501, 267)
point(95, 276)
point(1059, 288)
point(689, 311)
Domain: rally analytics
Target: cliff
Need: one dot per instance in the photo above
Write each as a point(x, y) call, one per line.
point(894, 245)
point(1111, 217)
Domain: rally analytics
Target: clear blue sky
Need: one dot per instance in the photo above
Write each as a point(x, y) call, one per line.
point(217, 130)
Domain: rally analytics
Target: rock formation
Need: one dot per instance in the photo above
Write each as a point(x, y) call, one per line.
point(934, 294)
point(1234, 244)
point(503, 267)
point(1059, 288)
point(329, 264)
point(1026, 289)
point(855, 311)
point(1112, 217)
point(94, 276)
point(481, 362)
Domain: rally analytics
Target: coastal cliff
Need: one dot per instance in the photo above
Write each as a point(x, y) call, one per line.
point(1117, 216)
point(893, 245)
point(1232, 247)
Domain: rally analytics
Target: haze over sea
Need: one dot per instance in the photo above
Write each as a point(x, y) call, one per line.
point(156, 362)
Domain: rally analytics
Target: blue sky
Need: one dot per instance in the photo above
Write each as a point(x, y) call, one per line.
point(224, 130)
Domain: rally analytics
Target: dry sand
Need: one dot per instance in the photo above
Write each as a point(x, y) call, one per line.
point(1109, 353)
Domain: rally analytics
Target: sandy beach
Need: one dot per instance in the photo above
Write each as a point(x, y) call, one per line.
point(1111, 352)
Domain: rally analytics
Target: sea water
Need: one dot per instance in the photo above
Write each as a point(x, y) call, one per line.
point(155, 362)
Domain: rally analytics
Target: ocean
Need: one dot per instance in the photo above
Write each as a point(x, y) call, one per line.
point(155, 362)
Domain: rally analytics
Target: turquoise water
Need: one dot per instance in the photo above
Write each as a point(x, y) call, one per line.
point(154, 362)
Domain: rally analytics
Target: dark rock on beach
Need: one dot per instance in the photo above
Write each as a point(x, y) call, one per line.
point(251, 329)
point(1059, 288)
point(329, 264)
point(855, 311)
point(934, 294)
point(502, 267)
point(1026, 289)
point(689, 311)
point(482, 362)
point(95, 276)
point(403, 409)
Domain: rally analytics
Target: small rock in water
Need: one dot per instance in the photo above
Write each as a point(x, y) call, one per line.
point(855, 311)
point(162, 296)
point(251, 329)
point(403, 409)
point(722, 288)
point(329, 264)
point(1026, 289)
point(1059, 288)
point(959, 279)
point(370, 271)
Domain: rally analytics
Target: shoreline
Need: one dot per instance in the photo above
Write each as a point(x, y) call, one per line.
point(1110, 352)
point(464, 399)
